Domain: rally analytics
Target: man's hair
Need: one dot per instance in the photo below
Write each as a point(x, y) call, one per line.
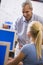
point(27, 2)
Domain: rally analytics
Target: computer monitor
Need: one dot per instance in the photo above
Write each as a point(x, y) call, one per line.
point(8, 36)
point(4, 52)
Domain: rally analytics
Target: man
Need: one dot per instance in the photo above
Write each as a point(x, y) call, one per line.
point(22, 23)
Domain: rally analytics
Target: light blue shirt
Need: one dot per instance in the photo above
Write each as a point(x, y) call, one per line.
point(30, 58)
point(21, 27)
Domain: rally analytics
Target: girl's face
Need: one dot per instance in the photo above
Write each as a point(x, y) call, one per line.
point(29, 34)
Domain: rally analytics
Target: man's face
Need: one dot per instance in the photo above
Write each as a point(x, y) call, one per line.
point(27, 12)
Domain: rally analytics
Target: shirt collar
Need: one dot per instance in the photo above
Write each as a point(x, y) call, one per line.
point(24, 19)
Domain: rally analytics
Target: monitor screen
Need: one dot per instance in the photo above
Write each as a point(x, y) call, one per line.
point(4, 53)
point(8, 36)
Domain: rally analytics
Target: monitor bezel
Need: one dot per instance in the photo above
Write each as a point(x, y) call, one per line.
point(7, 50)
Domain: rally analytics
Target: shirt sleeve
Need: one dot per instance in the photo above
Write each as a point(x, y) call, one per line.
point(40, 19)
point(25, 50)
point(15, 25)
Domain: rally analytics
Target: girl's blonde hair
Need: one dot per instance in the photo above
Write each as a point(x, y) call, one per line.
point(35, 28)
